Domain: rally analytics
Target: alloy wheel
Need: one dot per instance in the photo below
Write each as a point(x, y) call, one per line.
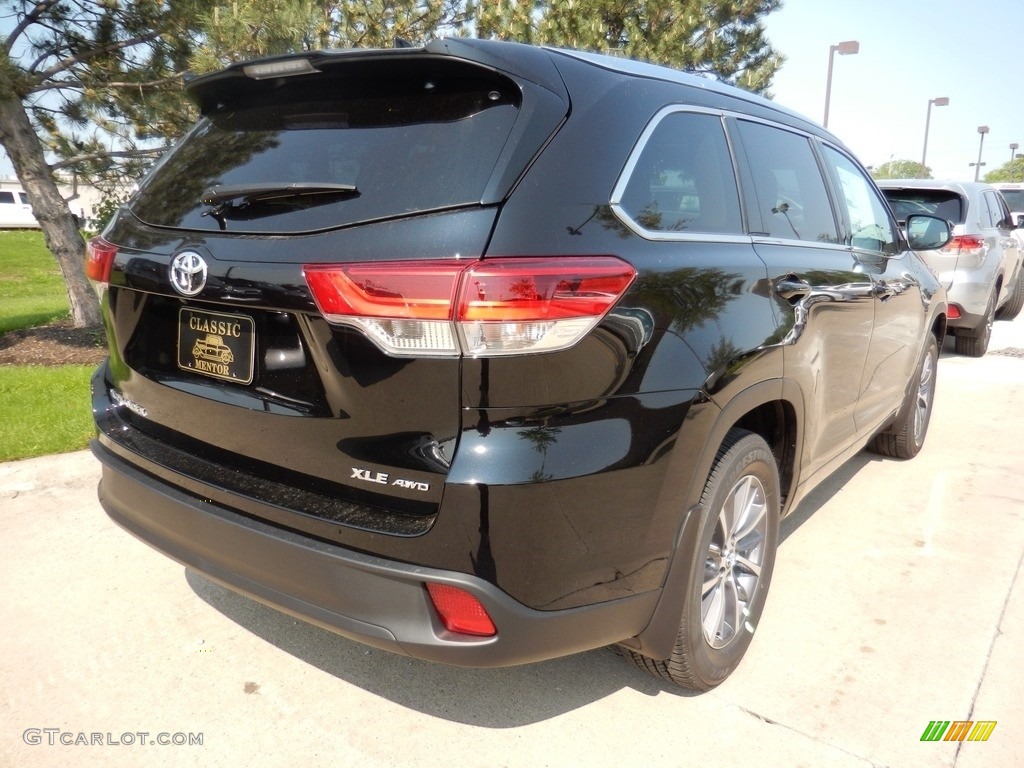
point(924, 397)
point(732, 568)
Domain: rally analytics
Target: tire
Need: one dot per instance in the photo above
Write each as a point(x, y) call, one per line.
point(974, 342)
point(1015, 303)
point(731, 570)
point(904, 438)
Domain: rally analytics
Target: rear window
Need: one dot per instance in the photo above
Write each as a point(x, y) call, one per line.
point(407, 144)
point(936, 202)
point(1014, 198)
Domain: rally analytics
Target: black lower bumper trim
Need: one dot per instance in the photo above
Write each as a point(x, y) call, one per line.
point(379, 602)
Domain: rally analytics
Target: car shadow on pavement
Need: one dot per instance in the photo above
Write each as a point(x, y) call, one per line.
point(822, 494)
point(492, 698)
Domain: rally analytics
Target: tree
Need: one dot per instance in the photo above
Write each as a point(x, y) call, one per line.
point(1010, 171)
point(902, 169)
point(73, 74)
point(722, 38)
point(93, 87)
point(236, 30)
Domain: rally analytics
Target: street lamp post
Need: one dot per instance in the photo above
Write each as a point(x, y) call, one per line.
point(982, 129)
point(844, 48)
point(939, 101)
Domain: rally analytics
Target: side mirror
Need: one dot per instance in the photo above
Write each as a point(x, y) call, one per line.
point(1018, 220)
point(927, 233)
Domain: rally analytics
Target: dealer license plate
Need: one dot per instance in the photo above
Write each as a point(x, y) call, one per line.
point(216, 344)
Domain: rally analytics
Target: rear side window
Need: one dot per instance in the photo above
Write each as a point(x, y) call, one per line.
point(1014, 198)
point(24, 198)
point(791, 193)
point(945, 204)
point(7, 197)
point(407, 144)
point(683, 179)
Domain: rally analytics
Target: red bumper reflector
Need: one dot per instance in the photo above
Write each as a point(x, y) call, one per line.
point(460, 612)
point(954, 312)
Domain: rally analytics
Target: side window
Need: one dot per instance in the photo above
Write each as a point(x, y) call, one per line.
point(997, 208)
point(986, 216)
point(791, 194)
point(870, 225)
point(24, 197)
point(683, 180)
point(7, 197)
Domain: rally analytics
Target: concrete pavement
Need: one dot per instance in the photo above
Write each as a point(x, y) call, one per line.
point(897, 600)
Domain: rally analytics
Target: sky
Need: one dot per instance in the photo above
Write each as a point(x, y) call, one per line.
point(911, 51)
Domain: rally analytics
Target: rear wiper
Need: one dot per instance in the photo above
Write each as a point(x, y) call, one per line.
point(224, 194)
point(260, 200)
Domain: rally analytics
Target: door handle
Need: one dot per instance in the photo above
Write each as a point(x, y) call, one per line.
point(791, 287)
point(883, 290)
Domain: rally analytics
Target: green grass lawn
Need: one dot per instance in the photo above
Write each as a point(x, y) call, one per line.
point(43, 409)
point(31, 287)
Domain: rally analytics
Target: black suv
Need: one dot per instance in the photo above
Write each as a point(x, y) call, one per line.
point(487, 353)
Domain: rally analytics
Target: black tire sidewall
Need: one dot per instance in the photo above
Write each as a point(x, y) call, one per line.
point(748, 455)
point(917, 441)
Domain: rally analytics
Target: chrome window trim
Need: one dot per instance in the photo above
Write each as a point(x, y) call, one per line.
point(815, 142)
point(839, 247)
point(634, 156)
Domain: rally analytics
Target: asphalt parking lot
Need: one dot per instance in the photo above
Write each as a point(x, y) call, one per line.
point(897, 600)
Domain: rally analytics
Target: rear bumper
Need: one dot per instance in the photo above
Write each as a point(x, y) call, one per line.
point(380, 602)
point(970, 292)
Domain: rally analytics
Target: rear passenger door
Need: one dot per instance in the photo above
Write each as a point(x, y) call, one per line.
point(822, 290)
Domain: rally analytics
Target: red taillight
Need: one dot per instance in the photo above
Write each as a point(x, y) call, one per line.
point(99, 258)
point(481, 308)
point(421, 290)
point(521, 290)
point(965, 243)
point(460, 611)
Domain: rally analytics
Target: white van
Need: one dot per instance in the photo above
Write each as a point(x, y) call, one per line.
point(15, 210)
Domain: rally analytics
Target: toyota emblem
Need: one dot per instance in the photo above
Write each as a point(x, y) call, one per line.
point(188, 273)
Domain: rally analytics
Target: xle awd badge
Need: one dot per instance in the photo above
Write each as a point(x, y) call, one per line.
point(383, 478)
point(188, 273)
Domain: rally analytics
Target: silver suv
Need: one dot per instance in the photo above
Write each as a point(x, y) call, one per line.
point(981, 266)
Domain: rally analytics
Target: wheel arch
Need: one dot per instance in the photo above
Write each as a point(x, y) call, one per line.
point(939, 328)
point(771, 409)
